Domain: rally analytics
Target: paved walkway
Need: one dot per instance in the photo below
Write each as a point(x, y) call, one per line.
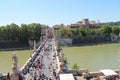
point(47, 60)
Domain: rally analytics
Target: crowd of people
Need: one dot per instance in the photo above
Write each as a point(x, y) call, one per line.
point(44, 67)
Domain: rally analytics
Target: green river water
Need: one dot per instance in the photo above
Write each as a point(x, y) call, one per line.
point(95, 58)
point(6, 59)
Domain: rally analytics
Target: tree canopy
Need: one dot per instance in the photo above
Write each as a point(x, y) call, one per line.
point(21, 33)
point(115, 30)
point(81, 31)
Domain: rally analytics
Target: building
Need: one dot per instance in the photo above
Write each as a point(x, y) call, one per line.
point(85, 23)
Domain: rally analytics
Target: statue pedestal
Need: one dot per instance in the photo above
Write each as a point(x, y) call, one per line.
point(15, 64)
point(15, 68)
point(15, 71)
point(14, 77)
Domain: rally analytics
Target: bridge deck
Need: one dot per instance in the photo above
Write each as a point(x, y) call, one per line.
point(47, 57)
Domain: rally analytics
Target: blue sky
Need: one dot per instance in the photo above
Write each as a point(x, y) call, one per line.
point(51, 12)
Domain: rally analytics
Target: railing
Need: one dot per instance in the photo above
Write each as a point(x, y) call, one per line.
point(26, 66)
point(57, 57)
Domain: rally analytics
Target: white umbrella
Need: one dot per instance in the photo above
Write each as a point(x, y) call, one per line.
point(66, 77)
point(108, 72)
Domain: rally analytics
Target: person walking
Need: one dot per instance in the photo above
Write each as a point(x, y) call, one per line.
point(8, 76)
point(87, 75)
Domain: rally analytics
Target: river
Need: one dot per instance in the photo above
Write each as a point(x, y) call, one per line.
point(6, 59)
point(94, 57)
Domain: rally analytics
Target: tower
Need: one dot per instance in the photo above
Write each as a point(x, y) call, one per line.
point(85, 22)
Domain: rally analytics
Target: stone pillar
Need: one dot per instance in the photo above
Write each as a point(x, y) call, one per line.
point(34, 46)
point(14, 77)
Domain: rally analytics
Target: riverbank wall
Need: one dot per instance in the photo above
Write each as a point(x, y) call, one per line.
point(88, 40)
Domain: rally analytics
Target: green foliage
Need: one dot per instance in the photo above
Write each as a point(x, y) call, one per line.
point(62, 32)
point(92, 32)
point(21, 33)
point(75, 31)
point(65, 32)
point(34, 31)
point(82, 32)
point(105, 30)
point(75, 66)
point(116, 30)
point(88, 31)
point(14, 31)
point(9, 32)
point(70, 34)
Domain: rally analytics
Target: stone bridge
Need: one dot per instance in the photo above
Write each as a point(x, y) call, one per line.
point(53, 56)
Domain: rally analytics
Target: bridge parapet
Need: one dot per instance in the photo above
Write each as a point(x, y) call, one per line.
point(26, 66)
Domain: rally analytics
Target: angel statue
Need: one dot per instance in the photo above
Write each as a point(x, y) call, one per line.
point(14, 58)
point(15, 63)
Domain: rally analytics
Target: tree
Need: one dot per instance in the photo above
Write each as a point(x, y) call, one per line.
point(116, 30)
point(82, 31)
point(87, 31)
point(75, 31)
point(2, 33)
point(65, 32)
point(97, 31)
point(34, 31)
point(75, 66)
point(105, 30)
point(23, 33)
point(69, 33)
point(93, 31)
point(14, 31)
point(37, 32)
point(62, 32)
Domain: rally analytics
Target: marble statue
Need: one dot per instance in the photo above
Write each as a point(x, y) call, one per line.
point(15, 63)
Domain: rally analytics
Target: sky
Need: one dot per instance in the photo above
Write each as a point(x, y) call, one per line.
point(52, 12)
